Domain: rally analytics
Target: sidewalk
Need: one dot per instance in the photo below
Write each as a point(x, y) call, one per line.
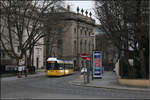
point(109, 81)
point(15, 77)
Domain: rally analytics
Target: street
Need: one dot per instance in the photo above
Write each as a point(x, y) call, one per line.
point(42, 87)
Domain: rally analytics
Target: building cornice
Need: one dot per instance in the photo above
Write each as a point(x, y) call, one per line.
point(73, 17)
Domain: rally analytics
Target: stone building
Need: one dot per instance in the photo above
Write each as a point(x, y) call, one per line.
point(78, 38)
point(37, 55)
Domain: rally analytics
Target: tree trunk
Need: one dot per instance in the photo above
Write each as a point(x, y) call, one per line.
point(142, 61)
point(29, 58)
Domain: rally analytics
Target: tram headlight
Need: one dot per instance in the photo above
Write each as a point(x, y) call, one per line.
point(67, 71)
point(61, 71)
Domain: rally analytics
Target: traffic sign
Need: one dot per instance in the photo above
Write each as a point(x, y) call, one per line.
point(84, 56)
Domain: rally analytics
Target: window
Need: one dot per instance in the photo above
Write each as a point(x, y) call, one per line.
point(80, 46)
point(52, 66)
point(85, 46)
point(89, 46)
point(59, 47)
point(3, 54)
point(89, 33)
point(74, 30)
point(74, 46)
point(85, 33)
point(93, 47)
point(81, 31)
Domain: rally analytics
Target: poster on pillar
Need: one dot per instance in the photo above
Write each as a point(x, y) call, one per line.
point(97, 64)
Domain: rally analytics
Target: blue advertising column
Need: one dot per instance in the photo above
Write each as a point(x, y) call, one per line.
point(97, 64)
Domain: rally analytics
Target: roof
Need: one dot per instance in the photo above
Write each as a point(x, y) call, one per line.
point(72, 16)
point(52, 59)
point(60, 61)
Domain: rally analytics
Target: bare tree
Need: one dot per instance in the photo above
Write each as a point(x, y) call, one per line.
point(55, 25)
point(125, 24)
point(22, 25)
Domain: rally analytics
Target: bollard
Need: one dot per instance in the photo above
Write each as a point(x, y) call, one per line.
point(19, 74)
point(25, 72)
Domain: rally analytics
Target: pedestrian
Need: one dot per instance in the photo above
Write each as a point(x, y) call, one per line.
point(19, 71)
point(23, 68)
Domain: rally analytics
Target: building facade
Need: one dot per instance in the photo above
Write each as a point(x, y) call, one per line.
point(78, 38)
point(6, 59)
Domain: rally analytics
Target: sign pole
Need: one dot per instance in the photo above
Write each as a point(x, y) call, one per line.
point(84, 56)
point(91, 66)
point(84, 72)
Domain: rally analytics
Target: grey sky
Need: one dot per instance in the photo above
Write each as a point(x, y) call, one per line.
point(86, 5)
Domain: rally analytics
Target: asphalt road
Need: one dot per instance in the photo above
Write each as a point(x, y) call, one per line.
point(43, 87)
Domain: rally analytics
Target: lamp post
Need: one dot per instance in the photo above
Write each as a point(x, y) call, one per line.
point(91, 63)
point(77, 55)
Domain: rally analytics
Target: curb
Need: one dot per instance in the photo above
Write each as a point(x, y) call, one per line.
point(23, 77)
point(130, 89)
point(8, 75)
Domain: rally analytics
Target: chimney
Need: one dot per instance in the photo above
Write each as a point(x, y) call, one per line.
point(68, 8)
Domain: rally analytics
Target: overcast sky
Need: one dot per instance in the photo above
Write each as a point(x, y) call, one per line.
point(86, 5)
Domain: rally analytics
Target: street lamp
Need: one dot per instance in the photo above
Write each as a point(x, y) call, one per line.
point(77, 55)
point(91, 63)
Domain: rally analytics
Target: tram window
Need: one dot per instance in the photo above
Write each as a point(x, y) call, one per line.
point(66, 66)
point(61, 65)
point(50, 66)
point(56, 66)
point(71, 66)
point(61, 68)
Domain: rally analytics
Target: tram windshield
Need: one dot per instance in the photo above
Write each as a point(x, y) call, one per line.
point(52, 66)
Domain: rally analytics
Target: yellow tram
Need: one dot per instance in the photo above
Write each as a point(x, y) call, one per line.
point(57, 67)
